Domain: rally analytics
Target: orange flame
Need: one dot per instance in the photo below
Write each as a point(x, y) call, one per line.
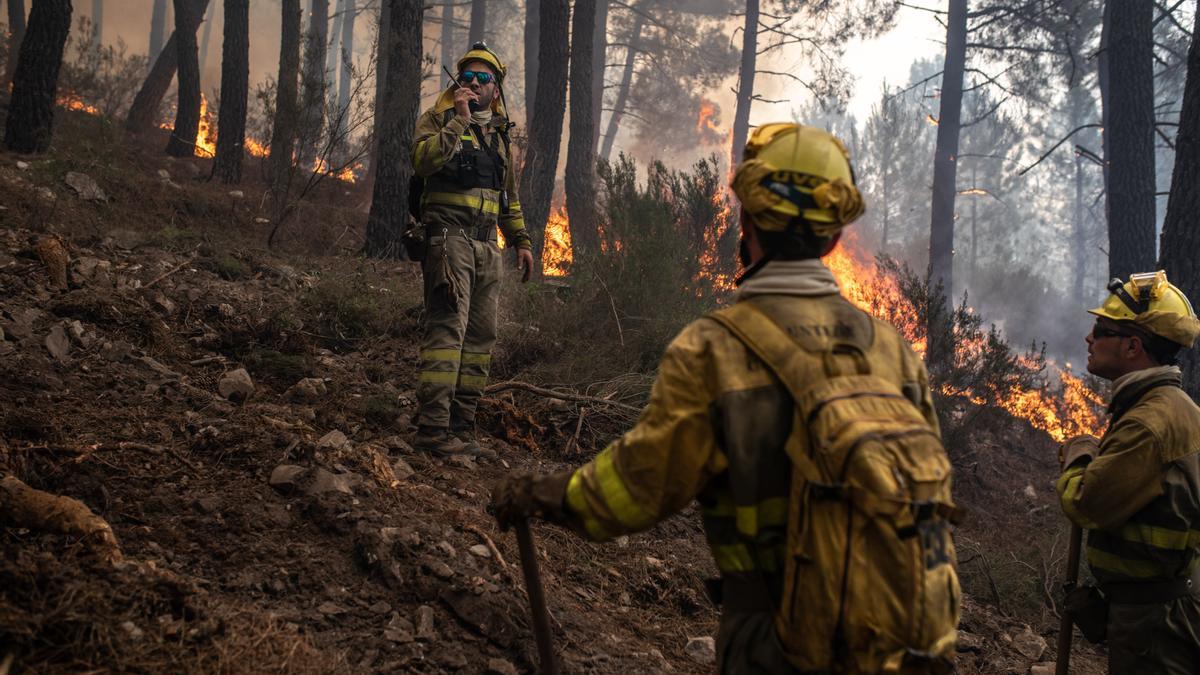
point(73, 102)
point(255, 148)
point(556, 251)
point(206, 133)
point(705, 120)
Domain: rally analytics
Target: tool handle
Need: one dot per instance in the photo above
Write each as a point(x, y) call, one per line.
point(1065, 627)
point(537, 599)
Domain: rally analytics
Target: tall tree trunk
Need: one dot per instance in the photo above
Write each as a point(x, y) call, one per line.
point(745, 87)
point(545, 129)
point(158, 25)
point(382, 51)
point(287, 106)
point(614, 118)
point(30, 122)
point(182, 143)
point(389, 197)
point(945, 157)
point(478, 21)
point(313, 90)
point(599, 68)
point(447, 38)
point(154, 88)
point(97, 23)
point(16, 32)
point(1130, 131)
point(208, 21)
point(580, 178)
point(349, 11)
point(532, 25)
point(333, 49)
point(1181, 231)
point(235, 87)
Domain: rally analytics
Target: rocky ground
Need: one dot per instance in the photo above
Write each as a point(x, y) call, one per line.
point(241, 419)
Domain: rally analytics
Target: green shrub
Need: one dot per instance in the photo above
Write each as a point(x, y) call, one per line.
point(225, 266)
point(286, 369)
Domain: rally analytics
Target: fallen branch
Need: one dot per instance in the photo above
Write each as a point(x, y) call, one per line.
point(23, 506)
point(550, 393)
point(129, 445)
point(491, 545)
point(168, 273)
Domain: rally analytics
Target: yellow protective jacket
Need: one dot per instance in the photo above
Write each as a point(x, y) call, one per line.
point(449, 201)
point(715, 430)
point(1139, 498)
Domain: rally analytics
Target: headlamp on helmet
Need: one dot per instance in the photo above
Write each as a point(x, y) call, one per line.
point(1151, 303)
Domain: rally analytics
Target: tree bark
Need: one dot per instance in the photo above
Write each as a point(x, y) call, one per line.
point(447, 38)
point(389, 197)
point(349, 12)
point(478, 21)
point(745, 88)
point(580, 178)
point(97, 23)
point(154, 88)
point(158, 25)
point(287, 108)
point(532, 25)
point(1181, 232)
point(333, 49)
point(599, 69)
point(945, 157)
point(30, 123)
point(382, 50)
point(313, 90)
point(614, 118)
point(235, 88)
point(182, 142)
point(208, 22)
point(545, 129)
point(16, 32)
point(1130, 132)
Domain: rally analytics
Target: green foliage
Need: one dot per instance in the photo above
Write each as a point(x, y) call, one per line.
point(350, 309)
point(380, 410)
point(286, 369)
point(106, 77)
point(225, 266)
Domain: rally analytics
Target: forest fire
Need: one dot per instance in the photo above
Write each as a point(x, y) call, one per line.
point(556, 253)
point(707, 117)
point(73, 102)
point(206, 133)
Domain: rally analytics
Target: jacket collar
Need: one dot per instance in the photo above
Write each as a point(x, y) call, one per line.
point(790, 277)
point(1131, 387)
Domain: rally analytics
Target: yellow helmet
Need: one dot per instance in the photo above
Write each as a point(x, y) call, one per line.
point(1150, 302)
point(792, 174)
point(480, 52)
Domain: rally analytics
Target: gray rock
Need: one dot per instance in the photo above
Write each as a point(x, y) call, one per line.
point(46, 193)
point(425, 623)
point(85, 186)
point(402, 469)
point(1029, 644)
point(286, 477)
point(380, 607)
point(116, 351)
point(236, 385)
point(400, 629)
point(440, 570)
point(237, 194)
point(132, 630)
point(969, 642)
point(166, 304)
point(445, 548)
point(462, 461)
point(398, 444)
point(1048, 668)
point(330, 608)
point(324, 481)
point(500, 667)
point(308, 390)
point(701, 650)
point(23, 166)
point(88, 270)
point(57, 342)
point(334, 440)
point(481, 551)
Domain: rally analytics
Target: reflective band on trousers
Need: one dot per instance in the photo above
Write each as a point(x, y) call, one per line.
point(473, 202)
point(439, 377)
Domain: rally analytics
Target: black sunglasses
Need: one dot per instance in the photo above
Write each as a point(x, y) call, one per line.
point(1100, 332)
point(468, 75)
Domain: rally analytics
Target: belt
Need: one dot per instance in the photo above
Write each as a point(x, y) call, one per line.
point(478, 233)
point(1146, 592)
point(740, 593)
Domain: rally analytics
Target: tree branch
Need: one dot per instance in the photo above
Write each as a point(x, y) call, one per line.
point(1054, 147)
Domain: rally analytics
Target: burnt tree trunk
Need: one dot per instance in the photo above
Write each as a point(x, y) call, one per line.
point(745, 87)
point(235, 87)
point(333, 49)
point(618, 110)
point(478, 21)
point(382, 50)
point(287, 108)
point(545, 128)
point(580, 179)
point(313, 90)
point(208, 22)
point(1130, 135)
point(447, 38)
point(154, 87)
point(97, 23)
point(16, 32)
point(599, 68)
point(30, 123)
point(182, 142)
point(345, 58)
point(158, 25)
point(945, 156)
point(532, 24)
point(394, 128)
point(1181, 231)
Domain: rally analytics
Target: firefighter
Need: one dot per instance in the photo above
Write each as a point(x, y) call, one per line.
point(462, 151)
point(719, 421)
point(1137, 490)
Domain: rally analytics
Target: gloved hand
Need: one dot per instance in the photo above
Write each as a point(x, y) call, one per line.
point(1078, 448)
point(520, 496)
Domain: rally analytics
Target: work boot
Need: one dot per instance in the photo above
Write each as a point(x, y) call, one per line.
point(438, 441)
point(471, 443)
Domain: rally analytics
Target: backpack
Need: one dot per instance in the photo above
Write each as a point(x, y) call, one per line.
point(869, 579)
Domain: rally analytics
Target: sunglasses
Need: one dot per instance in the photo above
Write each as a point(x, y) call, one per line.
point(1100, 332)
point(468, 76)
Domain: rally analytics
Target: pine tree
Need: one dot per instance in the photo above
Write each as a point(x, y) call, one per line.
point(30, 122)
point(235, 85)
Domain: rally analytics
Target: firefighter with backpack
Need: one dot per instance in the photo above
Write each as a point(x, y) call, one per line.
point(461, 153)
point(805, 430)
